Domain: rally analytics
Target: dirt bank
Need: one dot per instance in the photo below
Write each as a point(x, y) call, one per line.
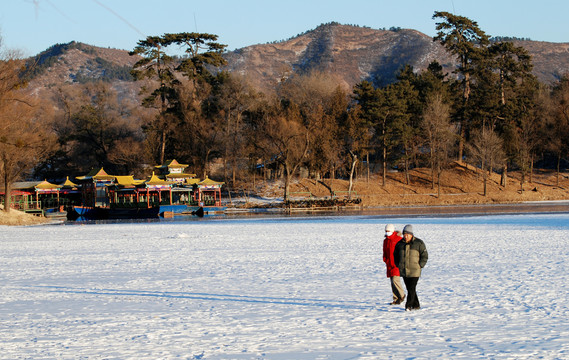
point(460, 185)
point(15, 217)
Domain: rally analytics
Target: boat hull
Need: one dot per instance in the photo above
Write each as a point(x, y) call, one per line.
point(173, 209)
point(98, 213)
point(133, 213)
point(204, 210)
point(56, 215)
point(87, 212)
point(116, 212)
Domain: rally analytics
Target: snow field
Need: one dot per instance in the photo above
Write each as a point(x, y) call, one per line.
point(283, 288)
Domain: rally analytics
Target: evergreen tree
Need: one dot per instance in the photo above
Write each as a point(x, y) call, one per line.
point(202, 51)
point(337, 113)
point(158, 66)
point(403, 112)
point(366, 120)
point(463, 38)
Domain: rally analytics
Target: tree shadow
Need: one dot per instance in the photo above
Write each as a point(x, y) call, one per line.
point(201, 296)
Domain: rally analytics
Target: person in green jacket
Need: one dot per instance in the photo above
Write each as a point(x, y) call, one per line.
point(410, 256)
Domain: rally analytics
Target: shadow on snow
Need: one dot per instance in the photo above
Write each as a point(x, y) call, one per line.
point(342, 304)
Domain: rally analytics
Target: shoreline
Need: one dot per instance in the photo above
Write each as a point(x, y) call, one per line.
point(547, 206)
point(560, 206)
point(536, 207)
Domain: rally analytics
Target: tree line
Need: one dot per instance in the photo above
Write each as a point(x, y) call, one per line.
point(490, 111)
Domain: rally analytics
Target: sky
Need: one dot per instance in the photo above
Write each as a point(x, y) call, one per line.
point(32, 26)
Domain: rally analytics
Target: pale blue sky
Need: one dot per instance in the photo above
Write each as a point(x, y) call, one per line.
point(34, 25)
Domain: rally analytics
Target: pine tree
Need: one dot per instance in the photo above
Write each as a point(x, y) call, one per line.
point(463, 38)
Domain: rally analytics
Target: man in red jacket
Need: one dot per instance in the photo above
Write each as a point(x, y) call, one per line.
point(389, 242)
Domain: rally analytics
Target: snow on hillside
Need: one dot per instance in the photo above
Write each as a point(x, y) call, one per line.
point(283, 288)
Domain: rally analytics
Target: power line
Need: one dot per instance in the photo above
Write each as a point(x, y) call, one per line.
point(119, 17)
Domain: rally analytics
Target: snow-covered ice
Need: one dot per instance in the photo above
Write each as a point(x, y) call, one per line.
point(283, 288)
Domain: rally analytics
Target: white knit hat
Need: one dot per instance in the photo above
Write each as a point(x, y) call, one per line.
point(389, 228)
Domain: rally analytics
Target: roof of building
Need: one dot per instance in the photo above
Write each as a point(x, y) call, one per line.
point(209, 182)
point(172, 163)
point(46, 185)
point(155, 180)
point(127, 181)
point(24, 185)
point(96, 175)
point(68, 183)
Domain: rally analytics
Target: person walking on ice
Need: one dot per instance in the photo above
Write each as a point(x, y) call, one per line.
point(410, 256)
point(389, 241)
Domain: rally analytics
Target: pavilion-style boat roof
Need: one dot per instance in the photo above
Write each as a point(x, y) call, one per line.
point(209, 182)
point(69, 184)
point(155, 180)
point(127, 181)
point(171, 163)
point(46, 185)
point(192, 181)
point(97, 175)
point(173, 170)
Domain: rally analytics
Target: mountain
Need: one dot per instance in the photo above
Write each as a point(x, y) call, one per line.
point(550, 60)
point(353, 54)
point(349, 53)
point(77, 62)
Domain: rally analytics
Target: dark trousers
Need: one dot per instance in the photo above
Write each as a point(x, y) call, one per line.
point(412, 299)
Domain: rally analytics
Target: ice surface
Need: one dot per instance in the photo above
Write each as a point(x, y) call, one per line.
point(283, 288)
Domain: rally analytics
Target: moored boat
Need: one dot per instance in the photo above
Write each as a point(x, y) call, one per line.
point(57, 213)
point(99, 195)
point(133, 213)
point(88, 212)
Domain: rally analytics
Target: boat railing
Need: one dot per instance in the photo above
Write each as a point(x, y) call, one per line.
point(26, 205)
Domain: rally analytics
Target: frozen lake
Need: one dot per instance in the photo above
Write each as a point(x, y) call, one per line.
point(283, 288)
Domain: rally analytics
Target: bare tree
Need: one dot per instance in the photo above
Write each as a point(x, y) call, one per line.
point(95, 129)
point(314, 94)
point(527, 140)
point(440, 136)
point(486, 149)
point(280, 135)
point(24, 135)
point(355, 140)
point(558, 124)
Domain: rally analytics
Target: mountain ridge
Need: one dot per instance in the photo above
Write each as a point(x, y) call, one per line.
point(348, 53)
